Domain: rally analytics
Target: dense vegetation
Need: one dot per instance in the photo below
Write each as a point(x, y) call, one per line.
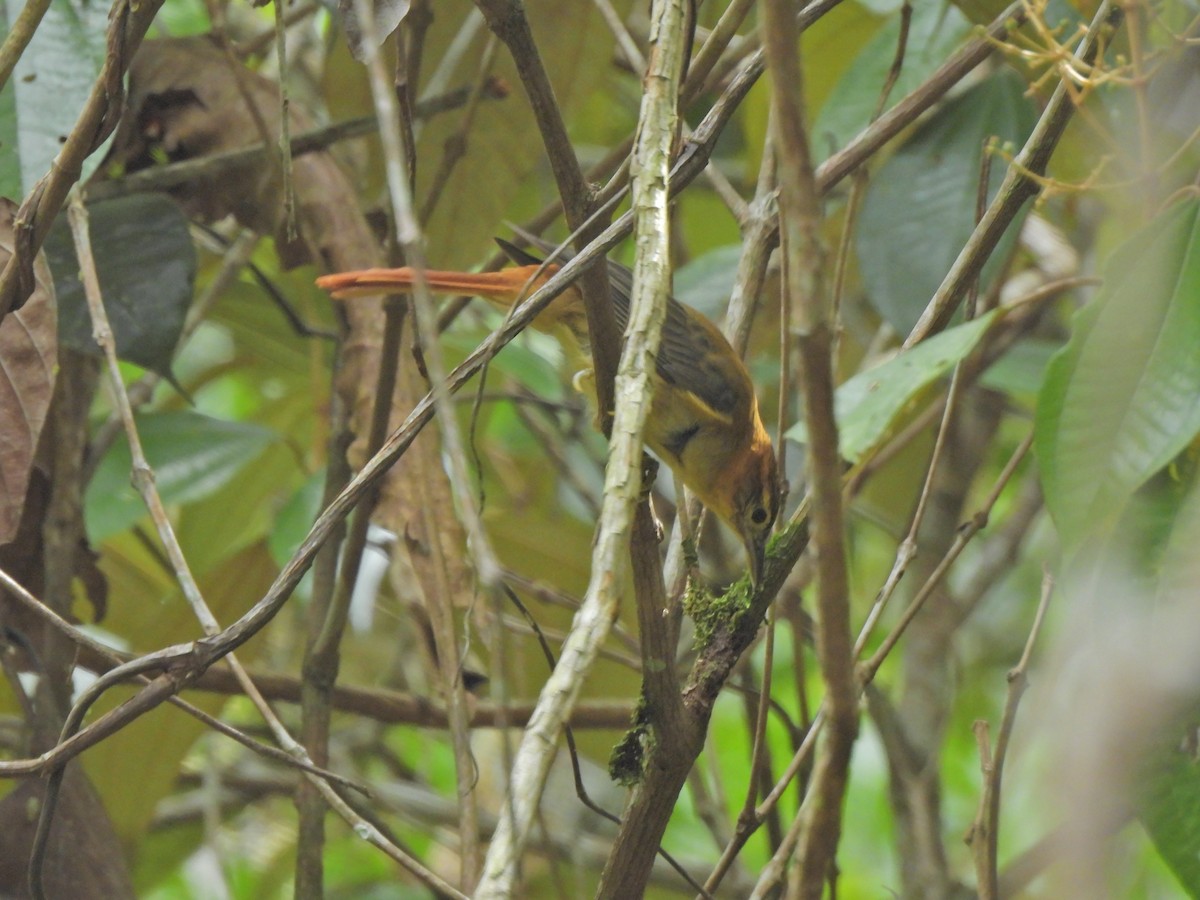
point(959, 247)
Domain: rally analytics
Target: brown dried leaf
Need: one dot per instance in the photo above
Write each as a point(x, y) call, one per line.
point(187, 99)
point(84, 858)
point(28, 358)
point(388, 16)
point(185, 102)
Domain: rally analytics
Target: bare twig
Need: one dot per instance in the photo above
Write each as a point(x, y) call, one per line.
point(965, 533)
point(285, 126)
point(175, 174)
point(985, 833)
point(19, 36)
point(105, 659)
point(409, 237)
point(127, 26)
point(813, 331)
point(1020, 184)
point(143, 478)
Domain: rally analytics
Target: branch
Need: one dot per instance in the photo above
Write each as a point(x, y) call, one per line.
point(187, 662)
point(128, 23)
point(634, 388)
point(985, 832)
point(408, 234)
point(813, 332)
point(1020, 184)
point(161, 178)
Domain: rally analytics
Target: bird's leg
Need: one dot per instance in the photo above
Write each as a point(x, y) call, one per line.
point(584, 381)
point(649, 473)
point(691, 556)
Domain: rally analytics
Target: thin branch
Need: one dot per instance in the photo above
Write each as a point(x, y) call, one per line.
point(985, 833)
point(813, 331)
point(19, 35)
point(1020, 184)
point(103, 658)
point(285, 126)
point(633, 387)
point(965, 534)
point(624, 40)
point(160, 178)
point(408, 235)
point(455, 146)
point(127, 26)
point(710, 51)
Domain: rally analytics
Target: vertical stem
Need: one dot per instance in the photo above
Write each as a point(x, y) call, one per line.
point(800, 212)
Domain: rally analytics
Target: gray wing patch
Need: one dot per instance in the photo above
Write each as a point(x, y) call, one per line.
point(685, 356)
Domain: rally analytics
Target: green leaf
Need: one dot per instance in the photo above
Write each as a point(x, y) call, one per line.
point(706, 282)
point(191, 455)
point(10, 162)
point(1179, 567)
point(920, 207)
point(870, 403)
point(1169, 806)
point(146, 263)
point(50, 84)
point(1122, 399)
point(295, 518)
point(936, 28)
point(1022, 368)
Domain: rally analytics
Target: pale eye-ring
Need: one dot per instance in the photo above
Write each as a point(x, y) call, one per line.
point(759, 516)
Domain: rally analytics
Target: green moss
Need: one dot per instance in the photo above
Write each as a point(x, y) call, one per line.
point(709, 611)
point(691, 557)
point(628, 757)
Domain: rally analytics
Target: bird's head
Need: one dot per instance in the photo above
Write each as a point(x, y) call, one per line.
point(747, 498)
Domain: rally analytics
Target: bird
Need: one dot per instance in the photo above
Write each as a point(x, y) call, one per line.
point(704, 420)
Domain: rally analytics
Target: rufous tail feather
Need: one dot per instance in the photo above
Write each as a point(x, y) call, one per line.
point(503, 287)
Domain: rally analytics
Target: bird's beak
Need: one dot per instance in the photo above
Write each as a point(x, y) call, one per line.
point(756, 549)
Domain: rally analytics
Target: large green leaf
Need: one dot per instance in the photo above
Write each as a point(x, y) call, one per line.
point(192, 456)
point(148, 609)
point(146, 264)
point(869, 404)
point(1168, 805)
point(936, 28)
point(920, 207)
point(706, 282)
point(49, 85)
point(1122, 399)
point(10, 162)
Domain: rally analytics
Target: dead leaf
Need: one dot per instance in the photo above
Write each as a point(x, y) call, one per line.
point(188, 100)
point(28, 358)
point(388, 16)
point(84, 858)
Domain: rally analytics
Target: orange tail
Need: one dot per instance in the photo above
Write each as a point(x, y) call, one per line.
point(502, 287)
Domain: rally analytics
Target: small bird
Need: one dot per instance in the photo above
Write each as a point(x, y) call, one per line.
point(704, 420)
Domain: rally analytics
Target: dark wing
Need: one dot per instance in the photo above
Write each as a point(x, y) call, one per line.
point(692, 347)
point(519, 256)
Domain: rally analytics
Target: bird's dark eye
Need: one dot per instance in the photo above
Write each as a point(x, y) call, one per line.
point(759, 516)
